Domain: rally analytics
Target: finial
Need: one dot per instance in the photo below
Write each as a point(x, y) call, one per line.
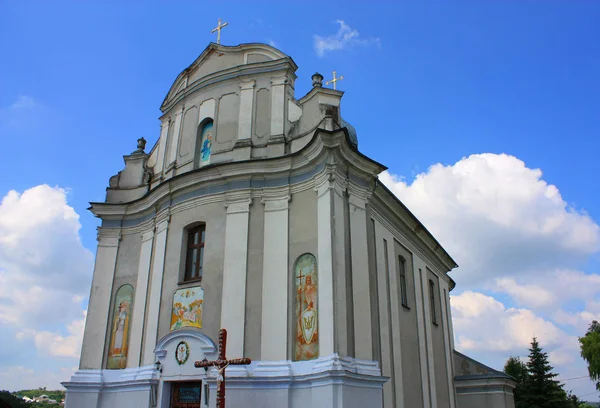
point(317, 80)
point(141, 145)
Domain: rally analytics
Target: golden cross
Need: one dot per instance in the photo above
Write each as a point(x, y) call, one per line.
point(218, 30)
point(334, 80)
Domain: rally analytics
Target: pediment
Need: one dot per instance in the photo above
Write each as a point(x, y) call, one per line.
point(216, 58)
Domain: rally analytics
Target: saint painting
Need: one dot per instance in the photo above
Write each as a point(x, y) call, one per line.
point(119, 337)
point(187, 308)
point(306, 314)
point(206, 140)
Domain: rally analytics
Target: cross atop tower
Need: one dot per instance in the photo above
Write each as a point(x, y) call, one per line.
point(218, 30)
point(334, 80)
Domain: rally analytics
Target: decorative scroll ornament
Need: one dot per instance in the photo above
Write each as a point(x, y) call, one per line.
point(182, 352)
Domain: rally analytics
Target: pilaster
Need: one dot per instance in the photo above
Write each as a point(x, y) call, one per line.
point(162, 145)
point(233, 307)
point(277, 140)
point(325, 268)
point(243, 145)
point(158, 265)
point(174, 142)
point(100, 297)
point(448, 350)
point(139, 303)
point(275, 280)
point(361, 294)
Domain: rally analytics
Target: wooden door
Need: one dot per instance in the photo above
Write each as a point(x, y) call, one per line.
point(186, 394)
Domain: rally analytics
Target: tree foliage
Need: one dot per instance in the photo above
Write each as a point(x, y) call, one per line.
point(517, 370)
point(590, 351)
point(536, 384)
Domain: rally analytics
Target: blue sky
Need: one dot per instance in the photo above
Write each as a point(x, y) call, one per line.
point(426, 83)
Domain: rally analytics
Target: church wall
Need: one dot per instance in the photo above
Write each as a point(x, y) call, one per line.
point(213, 214)
point(125, 273)
point(252, 331)
point(124, 399)
point(302, 239)
point(439, 348)
point(411, 364)
point(216, 62)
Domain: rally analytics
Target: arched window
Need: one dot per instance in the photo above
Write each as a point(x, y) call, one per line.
point(204, 142)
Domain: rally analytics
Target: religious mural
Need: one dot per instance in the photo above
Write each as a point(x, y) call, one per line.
point(206, 143)
point(187, 308)
point(119, 338)
point(306, 314)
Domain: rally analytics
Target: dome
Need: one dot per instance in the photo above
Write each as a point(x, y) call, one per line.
point(351, 133)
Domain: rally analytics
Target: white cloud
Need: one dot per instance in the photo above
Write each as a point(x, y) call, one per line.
point(345, 37)
point(55, 344)
point(497, 217)
point(24, 102)
point(483, 323)
point(45, 273)
point(528, 295)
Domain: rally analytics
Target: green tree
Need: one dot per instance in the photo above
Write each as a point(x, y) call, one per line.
point(540, 389)
point(590, 351)
point(517, 370)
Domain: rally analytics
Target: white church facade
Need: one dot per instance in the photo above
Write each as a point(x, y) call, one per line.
point(256, 212)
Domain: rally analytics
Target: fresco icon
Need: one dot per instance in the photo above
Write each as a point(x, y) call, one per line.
point(187, 308)
point(119, 338)
point(306, 313)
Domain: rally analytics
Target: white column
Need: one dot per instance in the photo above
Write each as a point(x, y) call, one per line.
point(98, 308)
point(419, 297)
point(447, 345)
point(162, 145)
point(139, 303)
point(233, 306)
point(361, 294)
point(151, 332)
point(246, 108)
point(277, 106)
point(325, 269)
point(175, 137)
point(275, 281)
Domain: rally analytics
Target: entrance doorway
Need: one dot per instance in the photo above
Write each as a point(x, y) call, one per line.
point(186, 394)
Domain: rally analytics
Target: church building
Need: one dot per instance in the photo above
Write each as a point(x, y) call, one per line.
point(256, 212)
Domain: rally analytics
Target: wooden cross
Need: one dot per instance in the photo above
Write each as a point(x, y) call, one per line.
point(334, 80)
point(221, 363)
point(218, 30)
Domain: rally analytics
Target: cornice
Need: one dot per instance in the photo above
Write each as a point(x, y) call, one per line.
point(328, 151)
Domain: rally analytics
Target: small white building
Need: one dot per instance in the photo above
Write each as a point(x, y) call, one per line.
point(255, 211)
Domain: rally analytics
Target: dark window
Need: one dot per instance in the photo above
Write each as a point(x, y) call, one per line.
point(432, 300)
point(402, 268)
point(195, 253)
point(185, 394)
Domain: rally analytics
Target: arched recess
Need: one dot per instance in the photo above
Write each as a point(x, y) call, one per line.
point(204, 141)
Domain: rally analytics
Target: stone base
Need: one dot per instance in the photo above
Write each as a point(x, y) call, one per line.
point(331, 381)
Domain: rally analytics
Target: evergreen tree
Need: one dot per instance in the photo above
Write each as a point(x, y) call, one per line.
point(540, 389)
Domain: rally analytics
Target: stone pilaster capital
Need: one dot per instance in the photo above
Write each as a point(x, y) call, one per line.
point(238, 206)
